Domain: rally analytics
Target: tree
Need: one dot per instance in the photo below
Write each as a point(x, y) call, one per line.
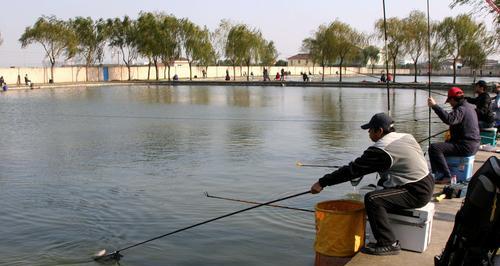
point(242, 46)
point(395, 40)
point(455, 35)
point(346, 42)
point(371, 53)
point(321, 47)
point(147, 39)
point(268, 54)
point(415, 36)
point(122, 36)
point(54, 35)
point(219, 39)
point(195, 42)
point(90, 38)
point(169, 41)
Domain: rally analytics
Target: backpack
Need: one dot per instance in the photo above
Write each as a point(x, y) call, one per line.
point(475, 238)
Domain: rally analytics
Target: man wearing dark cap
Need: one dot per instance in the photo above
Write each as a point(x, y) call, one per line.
point(464, 133)
point(406, 179)
point(483, 109)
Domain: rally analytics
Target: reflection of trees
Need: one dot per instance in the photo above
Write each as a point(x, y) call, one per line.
point(245, 97)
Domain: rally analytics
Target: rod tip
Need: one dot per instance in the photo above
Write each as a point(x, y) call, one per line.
point(298, 163)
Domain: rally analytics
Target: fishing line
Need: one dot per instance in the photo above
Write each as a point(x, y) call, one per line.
point(101, 256)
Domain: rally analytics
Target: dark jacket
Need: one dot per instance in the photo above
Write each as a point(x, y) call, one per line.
point(372, 160)
point(482, 102)
point(464, 127)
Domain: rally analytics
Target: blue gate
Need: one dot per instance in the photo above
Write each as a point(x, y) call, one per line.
point(105, 73)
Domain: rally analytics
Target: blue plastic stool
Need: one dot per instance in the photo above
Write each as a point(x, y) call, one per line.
point(461, 167)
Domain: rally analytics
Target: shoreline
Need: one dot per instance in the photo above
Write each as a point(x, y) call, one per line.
point(215, 82)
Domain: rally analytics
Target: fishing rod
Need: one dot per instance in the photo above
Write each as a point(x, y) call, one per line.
point(299, 164)
point(429, 66)
point(386, 61)
point(254, 202)
point(102, 256)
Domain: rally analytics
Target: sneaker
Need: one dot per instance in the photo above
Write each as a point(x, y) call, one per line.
point(393, 249)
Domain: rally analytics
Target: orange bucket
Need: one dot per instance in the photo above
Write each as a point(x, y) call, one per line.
point(340, 227)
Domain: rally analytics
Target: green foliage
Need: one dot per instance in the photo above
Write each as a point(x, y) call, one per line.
point(196, 44)
point(281, 63)
point(54, 36)
point(122, 34)
point(268, 53)
point(243, 46)
point(394, 48)
point(90, 39)
point(461, 38)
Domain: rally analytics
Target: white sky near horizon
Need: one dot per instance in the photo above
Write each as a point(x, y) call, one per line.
point(286, 23)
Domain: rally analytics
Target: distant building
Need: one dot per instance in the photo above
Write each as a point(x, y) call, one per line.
point(300, 60)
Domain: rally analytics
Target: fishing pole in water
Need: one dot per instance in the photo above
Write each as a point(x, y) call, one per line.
point(102, 256)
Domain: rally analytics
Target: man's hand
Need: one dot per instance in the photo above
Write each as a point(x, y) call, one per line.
point(431, 102)
point(316, 188)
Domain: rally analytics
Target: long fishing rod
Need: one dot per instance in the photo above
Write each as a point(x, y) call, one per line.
point(299, 164)
point(429, 63)
point(399, 83)
point(386, 61)
point(102, 256)
point(254, 202)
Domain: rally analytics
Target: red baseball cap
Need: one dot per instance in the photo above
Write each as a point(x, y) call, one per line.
point(454, 92)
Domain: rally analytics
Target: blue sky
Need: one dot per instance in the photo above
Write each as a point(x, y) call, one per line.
point(287, 23)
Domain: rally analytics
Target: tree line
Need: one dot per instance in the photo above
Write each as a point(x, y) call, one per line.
point(454, 38)
point(162, 38)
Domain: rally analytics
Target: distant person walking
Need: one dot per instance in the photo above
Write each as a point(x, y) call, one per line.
point(282, 74)
point(227, 75)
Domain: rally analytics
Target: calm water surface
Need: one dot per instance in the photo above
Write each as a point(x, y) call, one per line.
point(82, 169)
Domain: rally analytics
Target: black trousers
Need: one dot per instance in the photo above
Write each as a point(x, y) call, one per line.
point(438, 151)
point(409, 196)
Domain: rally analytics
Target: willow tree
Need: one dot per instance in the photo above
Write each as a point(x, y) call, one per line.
point(395, 40)
point(122, 35)
point(415, 32)
point(242, 46)
point(372, 54)
point(54, 35)
point(149, 32)
point(195, 43)
point(346, 42)
point(90, 39)
point(321, 47)
point(455, 35)
point(268, 53)
point(169, 41)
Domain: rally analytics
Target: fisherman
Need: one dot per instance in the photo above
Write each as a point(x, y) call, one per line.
point(464, 133)
point(406, 179)
point(483, 101)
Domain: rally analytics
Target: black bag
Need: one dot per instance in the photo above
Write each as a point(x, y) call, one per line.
point(476, 233)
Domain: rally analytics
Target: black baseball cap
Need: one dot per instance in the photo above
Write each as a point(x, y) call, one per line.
point(481, 83)
point(380, 120)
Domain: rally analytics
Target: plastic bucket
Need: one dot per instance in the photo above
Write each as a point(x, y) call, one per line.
point(340, 227)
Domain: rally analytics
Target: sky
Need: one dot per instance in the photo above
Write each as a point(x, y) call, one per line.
point(286, 22)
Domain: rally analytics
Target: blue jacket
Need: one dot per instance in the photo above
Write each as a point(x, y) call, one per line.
point(464, 127)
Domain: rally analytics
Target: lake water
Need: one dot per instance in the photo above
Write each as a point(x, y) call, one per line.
point(82, 169)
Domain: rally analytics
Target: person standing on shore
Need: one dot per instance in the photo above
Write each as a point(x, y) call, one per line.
point(464, 133)
point(404, 175)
